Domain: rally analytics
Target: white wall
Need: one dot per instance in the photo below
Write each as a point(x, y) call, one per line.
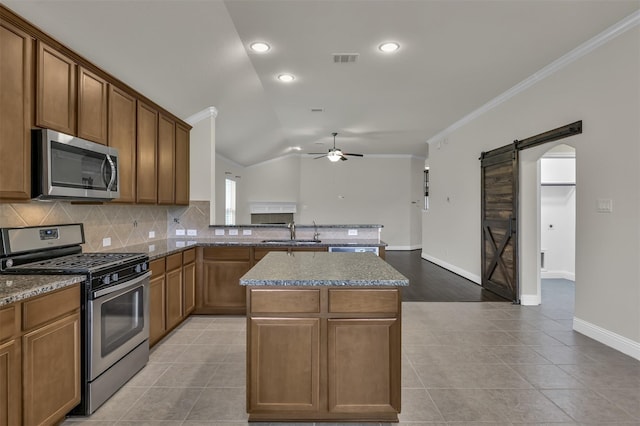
point(602, 88)
point(202, 149)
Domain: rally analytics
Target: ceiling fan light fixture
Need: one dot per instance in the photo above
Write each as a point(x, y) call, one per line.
point(334, 156)
point(286, 78)
point(389, 46)
point(260, 46)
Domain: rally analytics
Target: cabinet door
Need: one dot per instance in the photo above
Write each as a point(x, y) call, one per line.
point(157, 307)
point(10, 385)
point(363, 365)
point(122, 136)
point(55, 90)
point(51, 371)
point(222, 292)
point(166, 160)
point(16, 74)
point(284, 379)
point(189, 280)
point(146, 177)
point(182, 165)
point(174, 297)
point(92, 106)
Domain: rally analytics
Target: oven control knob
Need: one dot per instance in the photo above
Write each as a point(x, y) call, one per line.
point(138, 269)
point(114, 277)
point(144, 266)
point(106, 280)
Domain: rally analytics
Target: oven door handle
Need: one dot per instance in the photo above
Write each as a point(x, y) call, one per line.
point(129, 284)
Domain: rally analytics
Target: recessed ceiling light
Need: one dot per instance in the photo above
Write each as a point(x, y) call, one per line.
point(259, 46)
point(388, 47)
point(286, 78)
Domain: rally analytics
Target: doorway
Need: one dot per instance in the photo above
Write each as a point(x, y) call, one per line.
point(557, 228)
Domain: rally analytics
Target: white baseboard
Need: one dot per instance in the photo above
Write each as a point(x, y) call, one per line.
point(558, 274)
point(609, 338)
point(456, 270)
point(530, 300)
point(401, 248)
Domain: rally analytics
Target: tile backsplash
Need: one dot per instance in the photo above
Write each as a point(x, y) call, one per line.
point(123, 224)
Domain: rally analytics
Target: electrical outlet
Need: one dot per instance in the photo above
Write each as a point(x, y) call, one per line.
point(152, 234)
point(233, 232)
point(180, 244)
point(219, 232)
point(180, 232)
point(192, 232)
point(246, 232)
point(106, 242)
point(152, 247)
point(353, 232)
point(604, 206)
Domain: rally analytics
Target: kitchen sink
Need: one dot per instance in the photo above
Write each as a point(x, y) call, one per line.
point(290, 242)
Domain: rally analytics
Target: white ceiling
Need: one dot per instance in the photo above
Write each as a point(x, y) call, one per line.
point(455, 56)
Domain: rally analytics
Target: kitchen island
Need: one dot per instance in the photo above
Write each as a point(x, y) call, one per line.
point(323, 338)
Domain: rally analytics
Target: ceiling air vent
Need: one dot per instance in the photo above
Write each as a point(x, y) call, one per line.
point(345, 58)
point(317, 109)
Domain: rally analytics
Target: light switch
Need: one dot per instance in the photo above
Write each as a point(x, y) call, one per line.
point(180, 244)
point(604, 205)
point(152, 234)
point(106, 242)
point(219, 231)
point(180, 232)
point(353, 232)
point(233, 232)
point(192, 232)
point(246, 232)
point(152, 247)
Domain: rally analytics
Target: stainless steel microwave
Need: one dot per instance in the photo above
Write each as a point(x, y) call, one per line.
point(67, 167)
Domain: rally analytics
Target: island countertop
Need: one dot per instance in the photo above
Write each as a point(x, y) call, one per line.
point(323, 269)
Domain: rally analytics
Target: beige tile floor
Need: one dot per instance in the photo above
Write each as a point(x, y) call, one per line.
point(485, 363)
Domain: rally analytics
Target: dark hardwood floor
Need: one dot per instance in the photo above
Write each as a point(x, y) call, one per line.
point(429, 282)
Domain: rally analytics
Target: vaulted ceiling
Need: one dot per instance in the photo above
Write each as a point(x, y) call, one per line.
point(454, 56)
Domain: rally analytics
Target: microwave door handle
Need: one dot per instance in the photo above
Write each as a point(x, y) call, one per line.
point(113, 172)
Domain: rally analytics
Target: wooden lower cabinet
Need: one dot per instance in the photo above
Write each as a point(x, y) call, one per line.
point(314, 356)
point(284, 380)
point(219, 289)
point(189, 281)
point(10, 383)
point(174, 290)
point(157, 301)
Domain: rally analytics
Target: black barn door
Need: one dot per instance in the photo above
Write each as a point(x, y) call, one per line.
point(499, 221)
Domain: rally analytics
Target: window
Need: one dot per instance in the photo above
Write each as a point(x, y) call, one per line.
point(426, 188)
point(230, 202)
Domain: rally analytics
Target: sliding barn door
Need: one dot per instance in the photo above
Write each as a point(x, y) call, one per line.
point(499, 221)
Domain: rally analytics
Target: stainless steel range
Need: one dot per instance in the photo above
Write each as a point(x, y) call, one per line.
point(115, 308)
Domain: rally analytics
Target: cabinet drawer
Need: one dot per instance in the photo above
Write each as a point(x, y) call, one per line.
point(157, 267)
point(188, 256)
point(9, 317)
point(285, 301)
point(363, 300)
point(227, 253)
point(42, 309)
point(174, 261)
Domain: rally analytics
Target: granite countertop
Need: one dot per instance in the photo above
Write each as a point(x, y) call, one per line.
point(323, 269)
point(160, 248)
point(14, 288)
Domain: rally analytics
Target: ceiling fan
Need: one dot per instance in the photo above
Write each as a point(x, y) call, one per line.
point(334, 153)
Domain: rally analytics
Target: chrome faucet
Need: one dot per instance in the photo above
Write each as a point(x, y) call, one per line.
point(292, 229)
point(315, 231)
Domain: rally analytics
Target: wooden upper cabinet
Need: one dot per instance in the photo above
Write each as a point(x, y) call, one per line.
point(55, 90)
point(166, 159)
point(122, 136)
point(92, 106)
point(182, 165)
point(146, 175)
point(16, 119)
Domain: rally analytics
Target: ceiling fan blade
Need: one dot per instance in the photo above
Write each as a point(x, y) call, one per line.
point(353, 155)
point(316, 153)
point(322, 156)
point(343, 158)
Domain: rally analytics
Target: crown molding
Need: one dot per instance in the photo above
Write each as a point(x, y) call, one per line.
point(607, 35)
point(229, 161)
point(204, 114)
